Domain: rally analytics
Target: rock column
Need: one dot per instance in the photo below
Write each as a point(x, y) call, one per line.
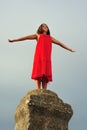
point(42, 110)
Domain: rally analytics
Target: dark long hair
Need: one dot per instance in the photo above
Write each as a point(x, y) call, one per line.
point(40, 31)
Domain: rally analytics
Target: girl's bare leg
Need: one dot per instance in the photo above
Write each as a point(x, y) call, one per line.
point(38, 84)
point(44, 83)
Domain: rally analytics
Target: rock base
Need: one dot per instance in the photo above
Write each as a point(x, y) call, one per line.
point(42, 110)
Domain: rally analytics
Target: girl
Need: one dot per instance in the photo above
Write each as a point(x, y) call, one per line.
point(42, 68)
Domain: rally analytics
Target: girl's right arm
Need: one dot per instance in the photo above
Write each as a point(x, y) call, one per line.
point(29, 37)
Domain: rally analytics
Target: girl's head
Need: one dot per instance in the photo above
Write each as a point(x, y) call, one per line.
point(43, 28)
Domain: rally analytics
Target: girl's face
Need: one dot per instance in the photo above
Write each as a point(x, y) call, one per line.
point(44, 28)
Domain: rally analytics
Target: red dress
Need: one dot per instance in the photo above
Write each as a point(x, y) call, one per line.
point(42, 58)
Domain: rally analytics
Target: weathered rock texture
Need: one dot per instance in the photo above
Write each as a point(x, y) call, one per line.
point(42, 110)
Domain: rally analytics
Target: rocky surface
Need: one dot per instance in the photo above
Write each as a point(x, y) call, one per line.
point(42, 110)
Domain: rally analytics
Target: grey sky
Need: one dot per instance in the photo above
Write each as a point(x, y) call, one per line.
point(67, 20)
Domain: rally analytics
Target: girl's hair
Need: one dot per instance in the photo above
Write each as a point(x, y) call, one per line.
point(40, 31)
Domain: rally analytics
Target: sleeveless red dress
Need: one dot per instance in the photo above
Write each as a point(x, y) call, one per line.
point(42, 58)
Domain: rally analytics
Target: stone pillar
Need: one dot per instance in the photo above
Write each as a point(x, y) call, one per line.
point(42, 110)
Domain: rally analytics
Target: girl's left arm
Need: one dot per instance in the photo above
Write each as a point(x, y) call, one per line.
point(55, 41)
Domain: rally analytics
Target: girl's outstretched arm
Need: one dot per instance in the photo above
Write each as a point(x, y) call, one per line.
point(62, 45)
point(29, 37)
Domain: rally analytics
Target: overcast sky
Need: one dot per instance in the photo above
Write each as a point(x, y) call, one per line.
point(67, 20)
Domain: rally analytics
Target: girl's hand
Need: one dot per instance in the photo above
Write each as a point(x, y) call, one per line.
point(10, 40)
point(72, 50)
